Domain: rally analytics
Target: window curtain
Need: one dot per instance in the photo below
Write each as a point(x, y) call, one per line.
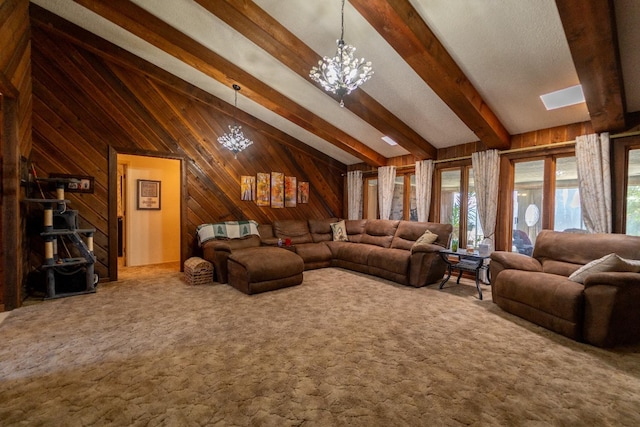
point(386, 184)
point(424, 178)
point(354, 194)
point(594, 181)
point(486, 172)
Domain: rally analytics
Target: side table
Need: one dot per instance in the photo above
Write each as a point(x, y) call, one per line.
point(463, 261)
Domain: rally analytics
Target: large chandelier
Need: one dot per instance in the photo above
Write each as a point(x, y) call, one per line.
point(235, 140)
point(343, 73)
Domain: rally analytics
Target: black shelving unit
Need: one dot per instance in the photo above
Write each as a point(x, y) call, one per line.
point(61, 224)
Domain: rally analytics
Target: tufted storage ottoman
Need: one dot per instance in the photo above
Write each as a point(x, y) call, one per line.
point(261, 269)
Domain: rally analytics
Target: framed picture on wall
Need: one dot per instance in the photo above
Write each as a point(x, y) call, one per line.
point(148, 195)
point(277, 190)
point(263, 189)
point(303, 192)
point(247, 187)
point(290, 190)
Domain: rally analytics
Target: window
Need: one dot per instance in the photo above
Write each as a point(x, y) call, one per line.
point(397, 203)
point(527, 205)
point(545, 196)
point(474, 229)
point(403, 205)
point(567, 213)
point(370, 198)
point(413, 206)
point(633, 194)
point(450, 200)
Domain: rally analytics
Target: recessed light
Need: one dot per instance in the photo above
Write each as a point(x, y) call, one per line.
point(563, 97)
point(389, 141)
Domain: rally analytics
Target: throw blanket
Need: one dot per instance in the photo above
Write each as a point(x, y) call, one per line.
point(226, 230)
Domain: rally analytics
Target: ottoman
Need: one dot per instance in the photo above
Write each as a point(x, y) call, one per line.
point(264, 268)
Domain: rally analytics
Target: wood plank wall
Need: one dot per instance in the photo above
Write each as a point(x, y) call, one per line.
point(15, 137)
point(85, 103)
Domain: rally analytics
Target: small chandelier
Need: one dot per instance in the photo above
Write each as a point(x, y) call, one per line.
point(235, 140)
point(343, 73)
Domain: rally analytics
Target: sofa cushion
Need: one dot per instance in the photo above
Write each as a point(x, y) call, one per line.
point(314, 252)
point(320, 229)
point(549, 300)
point(561, 268)
point(355, 229)
point(407, 233)
point(294, 229)
point(354, 253)
point(583, 248)
point(338, 231)
point(611, 262)
point(380, 232)
point(394, 260)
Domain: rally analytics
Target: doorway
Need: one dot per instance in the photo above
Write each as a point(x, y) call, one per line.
point(146, 210)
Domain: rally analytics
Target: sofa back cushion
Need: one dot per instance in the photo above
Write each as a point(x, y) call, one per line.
point(320, 229)
point(266, 231)
point(380, 232)
point(355, 229)
point(409, 231)
point(295, 229)
point(561, 268)
point(563, 253)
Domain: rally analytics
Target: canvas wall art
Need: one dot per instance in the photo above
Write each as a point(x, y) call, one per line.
point(277, 190)
point(263, 189)
point(303, 192)
point(247, 187)
point(290, 191)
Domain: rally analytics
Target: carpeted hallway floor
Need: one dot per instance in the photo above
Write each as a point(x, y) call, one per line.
point(340, 349)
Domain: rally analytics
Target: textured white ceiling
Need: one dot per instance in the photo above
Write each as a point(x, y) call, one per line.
point(512, 51)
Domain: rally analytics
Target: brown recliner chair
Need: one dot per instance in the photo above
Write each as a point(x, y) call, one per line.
point(603, 311)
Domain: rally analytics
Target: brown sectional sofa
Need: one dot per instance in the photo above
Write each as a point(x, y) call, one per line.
point(603, 311)
point(378, 247)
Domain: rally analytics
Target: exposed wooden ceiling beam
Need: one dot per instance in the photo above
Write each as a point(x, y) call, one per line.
point(255, 24)
point(47, 21)
point(402, 27)
point(143, 24)
point(591, 32)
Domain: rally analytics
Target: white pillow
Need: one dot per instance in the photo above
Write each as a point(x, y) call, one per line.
point(339, 231)
point(611, 262)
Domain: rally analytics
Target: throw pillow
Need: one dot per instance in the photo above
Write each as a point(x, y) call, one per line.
point(339, 231)
point(611, 262)
point(426, 239)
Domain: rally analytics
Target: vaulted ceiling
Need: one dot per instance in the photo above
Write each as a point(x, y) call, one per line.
point(447, 72)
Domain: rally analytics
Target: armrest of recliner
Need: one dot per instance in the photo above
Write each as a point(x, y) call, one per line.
point(612, 308)
point(426, 247)
point(515, 261)
point(216, 245)
point(617, 279)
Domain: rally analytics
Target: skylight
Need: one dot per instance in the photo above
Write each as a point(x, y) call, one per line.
point(389, 141)
point(563, 97)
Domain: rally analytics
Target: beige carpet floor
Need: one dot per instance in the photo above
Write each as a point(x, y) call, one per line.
point(340, 349)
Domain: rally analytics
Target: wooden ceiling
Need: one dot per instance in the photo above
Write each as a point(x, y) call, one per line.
point(590, 29)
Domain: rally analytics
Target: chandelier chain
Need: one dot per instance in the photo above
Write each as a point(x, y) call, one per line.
point(342, 23)
point(235, 140)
